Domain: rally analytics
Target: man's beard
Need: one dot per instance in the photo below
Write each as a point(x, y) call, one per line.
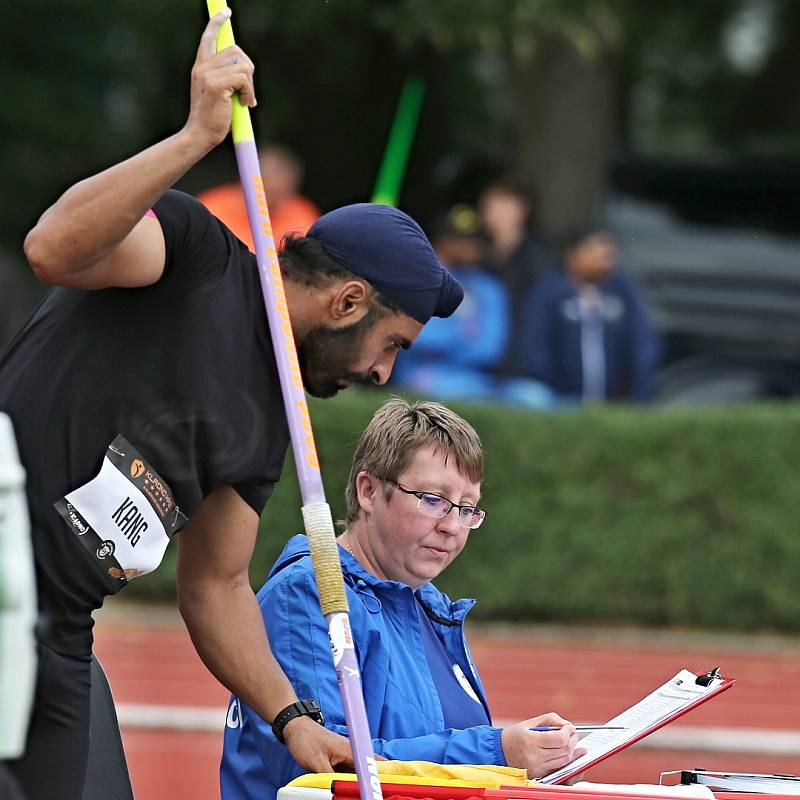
point(326, 354)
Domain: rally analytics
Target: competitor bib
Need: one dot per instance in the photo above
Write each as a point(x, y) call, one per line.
point(125, 516)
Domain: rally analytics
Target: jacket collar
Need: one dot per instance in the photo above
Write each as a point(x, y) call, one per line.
point(432, 599)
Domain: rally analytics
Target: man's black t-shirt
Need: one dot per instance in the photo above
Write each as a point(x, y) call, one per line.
point(183, 370)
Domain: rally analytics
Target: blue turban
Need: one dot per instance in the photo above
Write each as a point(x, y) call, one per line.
point(387, 248)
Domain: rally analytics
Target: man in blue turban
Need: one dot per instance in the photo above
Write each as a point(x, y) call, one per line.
point(405, 286)
point(146, 402)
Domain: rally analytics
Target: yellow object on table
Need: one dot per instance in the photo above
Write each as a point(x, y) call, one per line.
point(483, 776)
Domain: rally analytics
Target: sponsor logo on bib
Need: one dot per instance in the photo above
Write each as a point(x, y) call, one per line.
point(137, 468)
point(106, 549)
point(74, 519)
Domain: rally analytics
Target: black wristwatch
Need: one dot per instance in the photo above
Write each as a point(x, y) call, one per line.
point(302, 708)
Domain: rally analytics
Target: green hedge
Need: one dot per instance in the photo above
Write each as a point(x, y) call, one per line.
point(614, 515)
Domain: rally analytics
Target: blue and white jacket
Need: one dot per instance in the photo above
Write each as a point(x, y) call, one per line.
point(616, 354)
point(402, 704)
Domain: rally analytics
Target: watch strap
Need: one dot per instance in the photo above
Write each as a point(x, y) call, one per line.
point(302, 708)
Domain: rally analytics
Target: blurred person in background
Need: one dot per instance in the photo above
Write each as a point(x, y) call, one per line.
point(586, 330)
point(515, 252)
point(458, 357)
point(290, 212)
point(412, 497)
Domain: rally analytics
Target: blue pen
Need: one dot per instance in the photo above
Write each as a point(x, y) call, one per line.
point(549, 728)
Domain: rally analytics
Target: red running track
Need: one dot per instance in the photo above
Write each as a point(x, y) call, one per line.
point(585, 676)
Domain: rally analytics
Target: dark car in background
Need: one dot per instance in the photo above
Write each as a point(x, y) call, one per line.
point(717, 251)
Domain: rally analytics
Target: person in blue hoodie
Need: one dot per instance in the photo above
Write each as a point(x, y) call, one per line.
point(586, 332)
point(460, 359)
point(412, 501)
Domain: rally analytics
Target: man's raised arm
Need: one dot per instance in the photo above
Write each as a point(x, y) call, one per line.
point(96, 235)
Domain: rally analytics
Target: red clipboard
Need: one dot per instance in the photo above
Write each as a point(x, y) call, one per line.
point(722, 686)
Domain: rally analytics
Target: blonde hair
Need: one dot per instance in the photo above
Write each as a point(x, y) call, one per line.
point(398, 431)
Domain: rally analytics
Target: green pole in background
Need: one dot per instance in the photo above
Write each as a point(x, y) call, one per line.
point(395, 157)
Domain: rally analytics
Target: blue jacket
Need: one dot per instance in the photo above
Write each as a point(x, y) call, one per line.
point(554, 338)
point(403, 708)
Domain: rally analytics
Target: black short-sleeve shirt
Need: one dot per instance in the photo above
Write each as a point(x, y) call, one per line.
point(183, 369)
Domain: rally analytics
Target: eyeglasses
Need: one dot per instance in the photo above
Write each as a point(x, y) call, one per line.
point(434, 505)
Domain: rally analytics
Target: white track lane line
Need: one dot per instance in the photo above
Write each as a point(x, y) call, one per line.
point(205, 719)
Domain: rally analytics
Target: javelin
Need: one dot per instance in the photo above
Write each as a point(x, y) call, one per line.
point(317, 517)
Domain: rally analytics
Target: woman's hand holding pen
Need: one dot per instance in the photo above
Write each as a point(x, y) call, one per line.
point(540, 752)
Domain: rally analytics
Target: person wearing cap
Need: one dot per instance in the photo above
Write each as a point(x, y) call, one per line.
point(458, 358)
point(412, 505)
point(146, 403)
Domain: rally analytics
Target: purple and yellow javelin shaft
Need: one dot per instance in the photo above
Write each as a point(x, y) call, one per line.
point(316, 511)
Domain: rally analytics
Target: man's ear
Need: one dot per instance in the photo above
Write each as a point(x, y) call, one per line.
point(349, 302)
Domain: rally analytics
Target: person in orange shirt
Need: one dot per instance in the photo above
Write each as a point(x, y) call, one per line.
point(289, 211)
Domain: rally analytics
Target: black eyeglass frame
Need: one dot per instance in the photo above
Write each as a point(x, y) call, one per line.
point(420, 495)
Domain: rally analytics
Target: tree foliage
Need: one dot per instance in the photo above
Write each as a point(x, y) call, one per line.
point(88, 83)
